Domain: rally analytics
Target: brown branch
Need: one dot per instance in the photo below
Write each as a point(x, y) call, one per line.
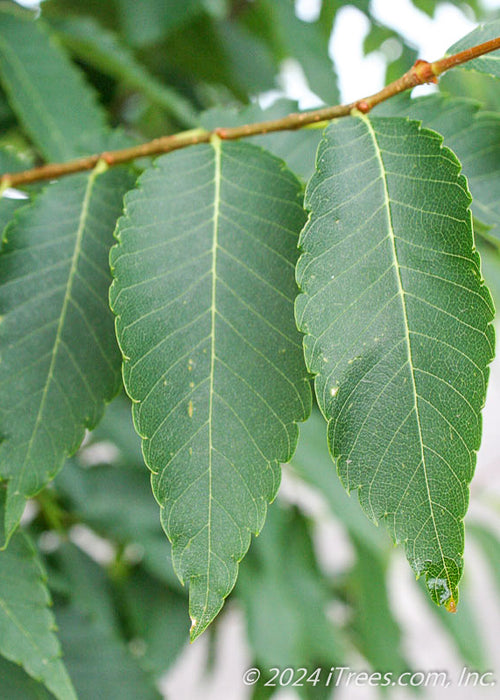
point(422, 72)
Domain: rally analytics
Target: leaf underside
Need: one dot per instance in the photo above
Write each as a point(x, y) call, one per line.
point(59, 361)
point(204, 290)
point(399, 333)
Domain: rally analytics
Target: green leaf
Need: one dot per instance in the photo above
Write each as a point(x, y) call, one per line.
point(259, 19)
point(156, 616)
point(374, 628)
point(59, 360)
point(10, 162)
point(327, 16)
point(148, 21)
point(100, 665)
point(490, 544)
point(384, 39)
point(400, 65)
point(304, 41)
point(490, 265)
point(104, 12)
point(217, 53)
point(103, 49)
point(474, 135)
point(376, 631)
point(130, 517)
point(286, 597)
point(490, 62)
point(313, 464)
point(17, 685)
point(429, 6)
point(296, 148)
point(8, 208)
point(473, 85)
point(46, 91)
point(26, 623)
point(464, 628)
point(95, 651)
point(117, 427)
point(376, 36)
point(399, 332)
point(84, 582)
point(203, 293)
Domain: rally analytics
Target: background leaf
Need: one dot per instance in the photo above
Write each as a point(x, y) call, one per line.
point(313, 464)
point(490, 544)
point(131, 517)
point(106, 13)
point(473, 85)
point(17, 685)
point(103, 49)
point(286, 597)
point(150, 20)
point(8, 208)
point(95, 652)
point(398, 332)
point(59, 362)
point(112, 673)
point(216, 53)
point(490, 265)
point(371, 625)
point(304, 41)
point(61, 113)
point(26, 623)
point(10, 162)
point(203, 294)
point(489, 63)
point(463, 628)
point(155, 615)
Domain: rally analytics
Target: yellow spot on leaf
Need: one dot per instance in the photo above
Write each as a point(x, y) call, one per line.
point(451, 606)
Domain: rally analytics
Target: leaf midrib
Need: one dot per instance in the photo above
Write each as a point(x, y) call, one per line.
point(401, 294)
point(216, 145)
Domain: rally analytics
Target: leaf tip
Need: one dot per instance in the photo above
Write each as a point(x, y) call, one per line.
point(451, 605)
point(195, 630)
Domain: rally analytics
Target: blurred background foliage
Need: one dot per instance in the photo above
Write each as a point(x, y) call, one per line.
point(317, 588)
